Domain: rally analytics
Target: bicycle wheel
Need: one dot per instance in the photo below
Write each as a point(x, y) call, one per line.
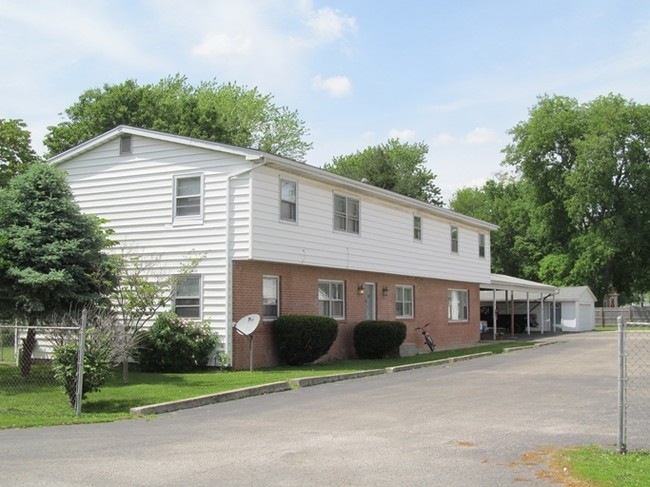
point(430, 343)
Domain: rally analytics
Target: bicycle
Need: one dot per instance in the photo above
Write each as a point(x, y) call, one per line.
point(427, 338)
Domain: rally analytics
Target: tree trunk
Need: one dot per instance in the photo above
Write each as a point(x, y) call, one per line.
point(29, 344)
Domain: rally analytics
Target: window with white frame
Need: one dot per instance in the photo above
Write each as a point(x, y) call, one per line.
point(404, 301)
point(481, 245)
point(346, 214)
point(271, 297)
point(331, 299)
point(417, 228)
point(187, 196)
point(288, 200)
point(187, 299)
point(454, 239)
point(458, 309)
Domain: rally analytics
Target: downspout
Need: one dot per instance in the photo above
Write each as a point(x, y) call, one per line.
point(229, 251)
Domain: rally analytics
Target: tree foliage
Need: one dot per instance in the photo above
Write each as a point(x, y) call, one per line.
point(142, 288)
point(16, 153)
point(51, 255)
point(226, 113)
point(578, 215)
point(395, 166)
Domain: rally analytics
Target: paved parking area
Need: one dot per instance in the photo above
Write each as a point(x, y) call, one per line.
point(481, 422)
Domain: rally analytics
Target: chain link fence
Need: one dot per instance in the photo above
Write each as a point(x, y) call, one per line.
point(634, 385)
point(27, 384)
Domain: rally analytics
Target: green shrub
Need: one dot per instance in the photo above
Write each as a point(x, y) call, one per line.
point(377, 339)
point(301, 339)
point(98, 356)
point(175, 345)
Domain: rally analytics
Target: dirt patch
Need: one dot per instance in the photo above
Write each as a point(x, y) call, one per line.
point(542, 465)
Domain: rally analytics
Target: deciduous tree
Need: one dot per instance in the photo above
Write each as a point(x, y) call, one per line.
point(395, 166)
point(227, 113)
point(16, 153)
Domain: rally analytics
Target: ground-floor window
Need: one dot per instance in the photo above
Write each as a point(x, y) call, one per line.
point(458, 309)
point(271, 297)
point(404, 301)
point(187, 301)
point(331, 300)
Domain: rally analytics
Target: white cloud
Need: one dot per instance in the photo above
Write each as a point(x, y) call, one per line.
point(335, 86)
point(483, 135)
point(223, 45)
point(330, 25)
point(405, 134)
point(443, 139)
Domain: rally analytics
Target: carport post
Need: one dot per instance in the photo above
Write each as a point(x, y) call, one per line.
point(527, 312)
point(620, 443)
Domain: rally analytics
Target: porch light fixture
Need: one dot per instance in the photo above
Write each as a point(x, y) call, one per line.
point(384, 291)
point(360, 289)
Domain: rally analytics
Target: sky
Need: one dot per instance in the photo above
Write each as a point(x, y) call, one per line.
point(456, 75)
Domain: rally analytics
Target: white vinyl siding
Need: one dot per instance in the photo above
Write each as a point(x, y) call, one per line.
point(385, 245)
point(404, 301)
point(458, 309)
point(137, 199)
point(331, 299)
point(271, 297)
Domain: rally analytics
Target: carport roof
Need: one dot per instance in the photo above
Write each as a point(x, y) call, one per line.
point(501, 282)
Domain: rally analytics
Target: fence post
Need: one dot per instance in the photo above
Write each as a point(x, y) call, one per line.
point(80, 362)
point(621, 440)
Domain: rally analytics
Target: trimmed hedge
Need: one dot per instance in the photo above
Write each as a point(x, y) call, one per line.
point(377, 339)
point(301, 339)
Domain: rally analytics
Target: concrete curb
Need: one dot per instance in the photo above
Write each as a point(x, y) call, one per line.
point(168, 407)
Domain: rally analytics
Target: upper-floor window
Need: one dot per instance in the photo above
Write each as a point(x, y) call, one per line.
point(271, 297)
point(187, 196)
point(481, 245)
point(454, 239)
point(404, 301)
point(346, 214)
point(288, 200)
point(458, 309)
point(331, 299)
point(417, 228)
point(187, 299)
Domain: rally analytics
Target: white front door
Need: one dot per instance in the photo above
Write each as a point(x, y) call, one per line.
point(369, 290)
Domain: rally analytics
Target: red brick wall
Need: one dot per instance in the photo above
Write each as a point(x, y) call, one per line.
point(298, 294)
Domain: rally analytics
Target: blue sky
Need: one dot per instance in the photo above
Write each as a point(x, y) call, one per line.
point(456, 75)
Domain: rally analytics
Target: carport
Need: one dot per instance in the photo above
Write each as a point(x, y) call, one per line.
point(509, 290)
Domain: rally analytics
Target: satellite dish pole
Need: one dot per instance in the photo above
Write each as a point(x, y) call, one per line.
point(246, 326)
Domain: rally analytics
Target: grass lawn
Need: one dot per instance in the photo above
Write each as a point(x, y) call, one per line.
point(38, 401)
point(602, 468)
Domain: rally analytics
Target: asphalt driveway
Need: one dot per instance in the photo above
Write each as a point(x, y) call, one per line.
point(483, 422)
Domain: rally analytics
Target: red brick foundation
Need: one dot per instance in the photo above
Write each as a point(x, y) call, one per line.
point(299, 295)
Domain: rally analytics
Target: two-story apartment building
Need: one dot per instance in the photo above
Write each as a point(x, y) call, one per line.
point(276, 236)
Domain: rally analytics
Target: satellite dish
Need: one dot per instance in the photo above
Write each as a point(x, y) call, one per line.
point(247, 325)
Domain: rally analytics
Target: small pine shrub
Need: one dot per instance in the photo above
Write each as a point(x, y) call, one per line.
point(98, 357)
point(301, 339)
point(377, 339)
point(175, 345)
